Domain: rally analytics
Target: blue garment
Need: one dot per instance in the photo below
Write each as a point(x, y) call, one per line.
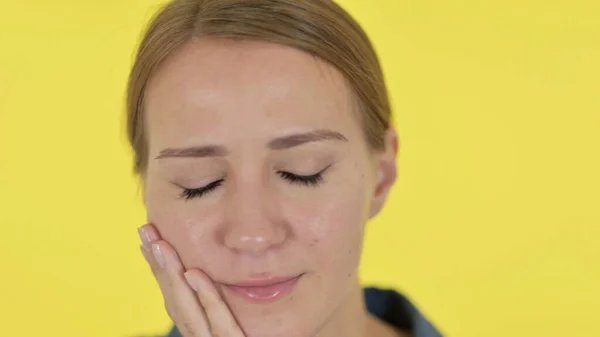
point(392, 308)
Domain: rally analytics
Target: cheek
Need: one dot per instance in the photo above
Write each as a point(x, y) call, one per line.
point(162, 209)
point(332, 228)
point(177, 222)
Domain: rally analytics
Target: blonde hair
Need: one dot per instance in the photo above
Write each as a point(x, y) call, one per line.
point(319, 27)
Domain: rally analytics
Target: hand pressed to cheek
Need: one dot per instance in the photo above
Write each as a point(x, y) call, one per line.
point(163, 261)
point(217, 311)
point(190, 298)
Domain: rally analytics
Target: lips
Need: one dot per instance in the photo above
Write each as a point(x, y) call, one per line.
point(264, 290)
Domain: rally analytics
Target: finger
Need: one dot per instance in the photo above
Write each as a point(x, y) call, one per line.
point(188, 314)
point(159, 276)
point(155, 256)
point(220, 318)
point(149, 234)
point(149, 256)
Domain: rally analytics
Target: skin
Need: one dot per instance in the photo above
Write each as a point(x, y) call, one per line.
point(245, 99)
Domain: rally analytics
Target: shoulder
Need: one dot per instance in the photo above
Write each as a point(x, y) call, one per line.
point(395, 309)
point(174, 333)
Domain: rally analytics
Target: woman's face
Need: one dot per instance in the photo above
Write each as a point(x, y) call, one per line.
point(258, 172)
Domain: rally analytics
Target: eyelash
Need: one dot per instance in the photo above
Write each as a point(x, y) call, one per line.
point(308, 181)
point(191, 193)
point(311, 181)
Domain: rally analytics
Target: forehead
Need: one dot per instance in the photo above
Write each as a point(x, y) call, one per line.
point(212, 87)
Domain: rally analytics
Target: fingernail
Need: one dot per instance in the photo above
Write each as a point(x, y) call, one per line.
point(191, 281)
point(158, 255)
point(144, 235)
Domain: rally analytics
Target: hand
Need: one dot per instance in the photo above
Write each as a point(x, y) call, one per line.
point(191, 299)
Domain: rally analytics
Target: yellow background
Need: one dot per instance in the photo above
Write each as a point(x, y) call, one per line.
point(492, 229)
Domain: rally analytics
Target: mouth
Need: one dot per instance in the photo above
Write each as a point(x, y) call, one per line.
point(264, 289)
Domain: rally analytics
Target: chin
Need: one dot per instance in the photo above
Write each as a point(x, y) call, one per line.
point(264, 331)
point(274, 325)
point(283, 318)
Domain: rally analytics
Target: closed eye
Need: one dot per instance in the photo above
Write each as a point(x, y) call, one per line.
point(305, 180)
point(311, 180)
point(191, 193)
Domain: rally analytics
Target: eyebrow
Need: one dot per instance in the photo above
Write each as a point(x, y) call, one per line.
point(280, 143)
point(193, 152)
point(298, 139)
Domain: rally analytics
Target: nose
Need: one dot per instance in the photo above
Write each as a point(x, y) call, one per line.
point(253, 223)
